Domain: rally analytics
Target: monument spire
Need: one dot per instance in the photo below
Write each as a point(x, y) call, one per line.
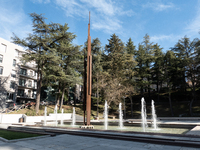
point(89, 75)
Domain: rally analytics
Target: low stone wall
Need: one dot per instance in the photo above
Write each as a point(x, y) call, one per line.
point(10, 118)
point(66, 116)
point(15, 118)
point(179, 118)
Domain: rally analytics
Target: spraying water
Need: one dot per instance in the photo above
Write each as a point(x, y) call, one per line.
point(45, 116)
point(55, 112)
point(120, 116)
point(154, 116)
point(143, 115)
point(73, 117)
point(61, 121)
point(106, 115)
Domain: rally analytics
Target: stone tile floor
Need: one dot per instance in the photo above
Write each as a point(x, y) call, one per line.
point(73, 142)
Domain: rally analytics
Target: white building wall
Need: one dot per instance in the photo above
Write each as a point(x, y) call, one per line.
point(10, 52)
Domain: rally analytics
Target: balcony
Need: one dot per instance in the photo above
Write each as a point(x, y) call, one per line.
point(26, 96)
point(28, 76)
point(31, 66)
point(27, 86)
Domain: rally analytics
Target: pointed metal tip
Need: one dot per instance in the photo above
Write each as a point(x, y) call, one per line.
point(89, 17)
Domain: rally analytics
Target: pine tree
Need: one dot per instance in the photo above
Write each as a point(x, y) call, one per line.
point(185, 51)
point(117, 64)
point(157, 70)
point(41, 48)
point(169, 68)
point(97, 67)
point(130, 84)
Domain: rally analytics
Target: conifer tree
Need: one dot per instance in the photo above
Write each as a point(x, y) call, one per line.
point(157, 69)
point(185, 51)
point(41, 48)
point(130, 84)
point(116, 64)
point(96, 67)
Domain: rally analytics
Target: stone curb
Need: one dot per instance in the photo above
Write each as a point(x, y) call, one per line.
point(23, 139)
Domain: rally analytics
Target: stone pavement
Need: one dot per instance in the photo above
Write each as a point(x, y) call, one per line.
point(73, 142)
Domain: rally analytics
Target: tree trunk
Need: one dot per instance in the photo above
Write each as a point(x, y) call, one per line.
point(75, 95)
point(170, 103)
point(193, 98)
point(131, 106)
point(39, 84)
point(61, 103)
point(124, 109)
point(158, 93)
point(84, 89)
point(97, 97)
point(58, 98)
point(141, 90)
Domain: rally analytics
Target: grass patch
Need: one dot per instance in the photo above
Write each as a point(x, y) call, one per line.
point(11, 135)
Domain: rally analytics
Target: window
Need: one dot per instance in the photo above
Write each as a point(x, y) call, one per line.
point(12, 85)
point(22, 82)
point(31, 73)
point(23, 71)
point(29, 93)
point(3, 48)
point(20, 92)
point(14, 62)
point(10, 96)
point(35, 73)
point(16, 52)
point(34, 94)
point(35, 84)
point(1, 70)
point(13, 73)
point(1, 58)
point(29, 83)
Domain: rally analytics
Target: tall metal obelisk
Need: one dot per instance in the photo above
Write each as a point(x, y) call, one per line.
point(89, 75)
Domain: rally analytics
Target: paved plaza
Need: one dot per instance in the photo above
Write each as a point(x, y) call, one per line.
point(73, 142)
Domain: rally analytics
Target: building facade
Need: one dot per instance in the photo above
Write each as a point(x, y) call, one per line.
point(18, 80)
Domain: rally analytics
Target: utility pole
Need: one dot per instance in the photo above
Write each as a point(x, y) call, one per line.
point(89, 75)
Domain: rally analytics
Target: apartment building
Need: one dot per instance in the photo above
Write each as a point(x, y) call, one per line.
point(17, 79)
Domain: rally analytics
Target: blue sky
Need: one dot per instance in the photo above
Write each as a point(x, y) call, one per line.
point(166, 21)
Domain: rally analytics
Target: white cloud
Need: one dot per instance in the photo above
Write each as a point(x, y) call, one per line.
point(107, 25)
point(102, 6)
point(193, 27)
point(104, 15)
point(72, 8)
point(41, 1)
point(158, 6)
point(13, 20)
point(157, 38)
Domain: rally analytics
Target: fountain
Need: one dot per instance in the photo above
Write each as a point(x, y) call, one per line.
point(120, 116)
point(61, 121)
point(73, 117)
point(154, 117)
point(55, 112)
point(106, 116)
point(45, 116)
point(126, 126)
point(143, 115)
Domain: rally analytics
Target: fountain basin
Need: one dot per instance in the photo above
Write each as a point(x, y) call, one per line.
point(113, 126)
